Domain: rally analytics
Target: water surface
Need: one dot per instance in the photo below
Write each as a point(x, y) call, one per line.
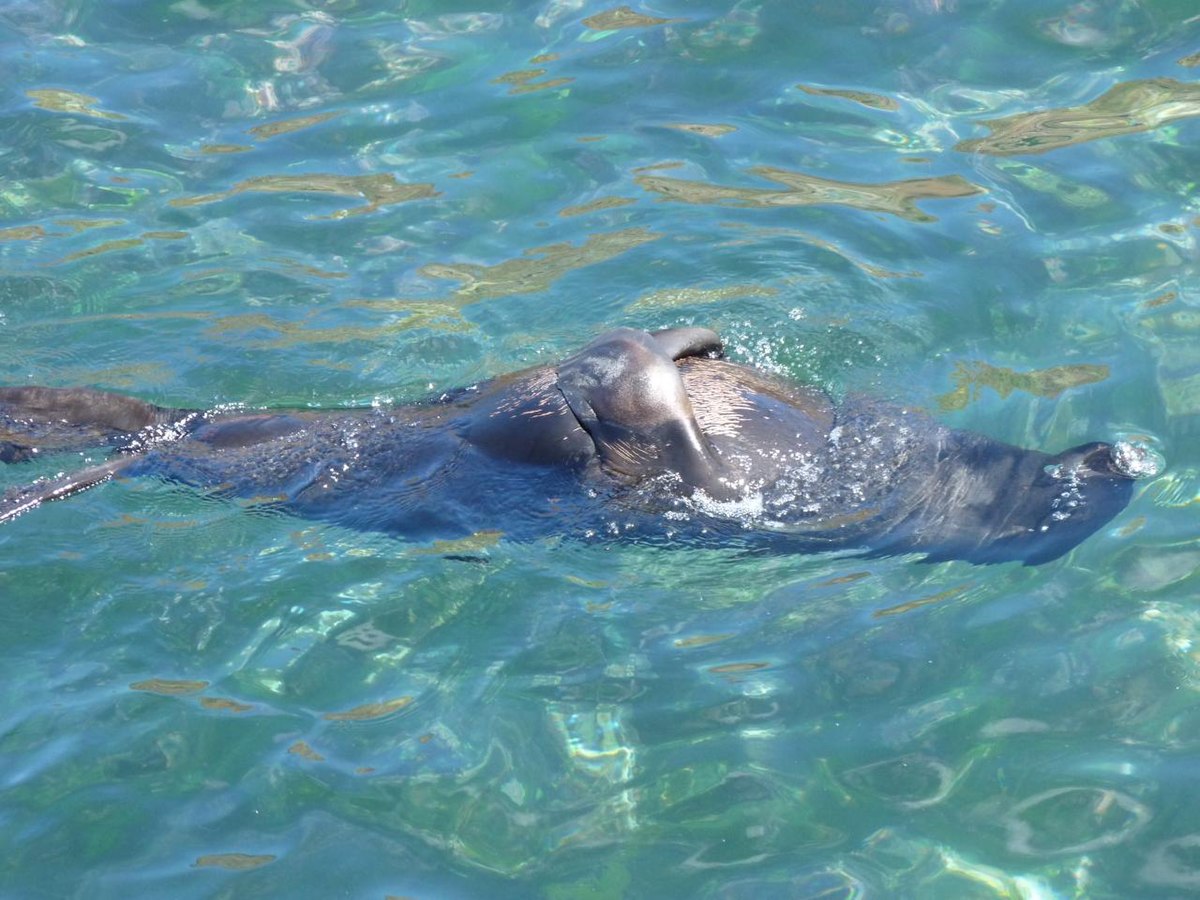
point(988, 209)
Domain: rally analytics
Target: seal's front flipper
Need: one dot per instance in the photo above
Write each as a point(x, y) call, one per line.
point(37, 419)
point(627, 394)
point(22, 499)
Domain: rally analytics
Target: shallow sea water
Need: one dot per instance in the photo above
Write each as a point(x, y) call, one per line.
point(988, 209)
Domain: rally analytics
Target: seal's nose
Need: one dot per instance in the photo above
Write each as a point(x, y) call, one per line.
point(1120, 460)
point(1086, 460)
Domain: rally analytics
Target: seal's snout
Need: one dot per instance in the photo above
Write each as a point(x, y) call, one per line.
point(1076, 494)
point(1135, 459)
point(1097, 458)
point(1124, 459)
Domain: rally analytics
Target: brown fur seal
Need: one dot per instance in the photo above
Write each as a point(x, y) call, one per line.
point(643, 435)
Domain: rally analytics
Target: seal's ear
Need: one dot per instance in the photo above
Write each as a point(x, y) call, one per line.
point(680, 343)
point(627, 394)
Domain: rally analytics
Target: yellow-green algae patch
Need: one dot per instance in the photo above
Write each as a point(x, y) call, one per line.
point(305, 269)
point(22, 233)
point(224, 704)
point(106, 247)
point(236, 862)
point(702, 640)
point(378, 190)
point(939, 597)
point(596, 206)
point(970, 378)
point(738, 668)
point(712, 131)
point(168, 687)
point(304, 751)
point(285, 126)
point(523, 81)
point(435, 316)
point(78, 225)
point(539, 267)
point(58, 100)
point(863, 98)
point(115, 246)
point(480, 540)
point(623, 17)
point(670, 298)
point(659, 167)
point(897, 198)
point(1126, 108)
point(369, 711)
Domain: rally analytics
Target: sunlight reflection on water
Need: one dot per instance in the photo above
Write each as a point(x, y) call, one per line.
point(224, 204)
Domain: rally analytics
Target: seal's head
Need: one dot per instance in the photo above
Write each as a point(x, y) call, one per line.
point(1078, 492)
point(1003, 503)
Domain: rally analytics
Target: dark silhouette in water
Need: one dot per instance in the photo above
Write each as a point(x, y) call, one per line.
point(651, 436)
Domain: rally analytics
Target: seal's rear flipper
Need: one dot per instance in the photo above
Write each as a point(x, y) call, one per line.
point(52, 420)
point(22, 499)
point(628, 395)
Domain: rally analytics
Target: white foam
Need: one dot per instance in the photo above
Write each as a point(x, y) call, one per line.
point(748, 508)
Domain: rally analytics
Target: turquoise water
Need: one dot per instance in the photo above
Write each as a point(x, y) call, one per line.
point(327, 204)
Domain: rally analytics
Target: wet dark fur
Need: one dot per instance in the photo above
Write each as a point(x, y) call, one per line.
point(636, 435)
